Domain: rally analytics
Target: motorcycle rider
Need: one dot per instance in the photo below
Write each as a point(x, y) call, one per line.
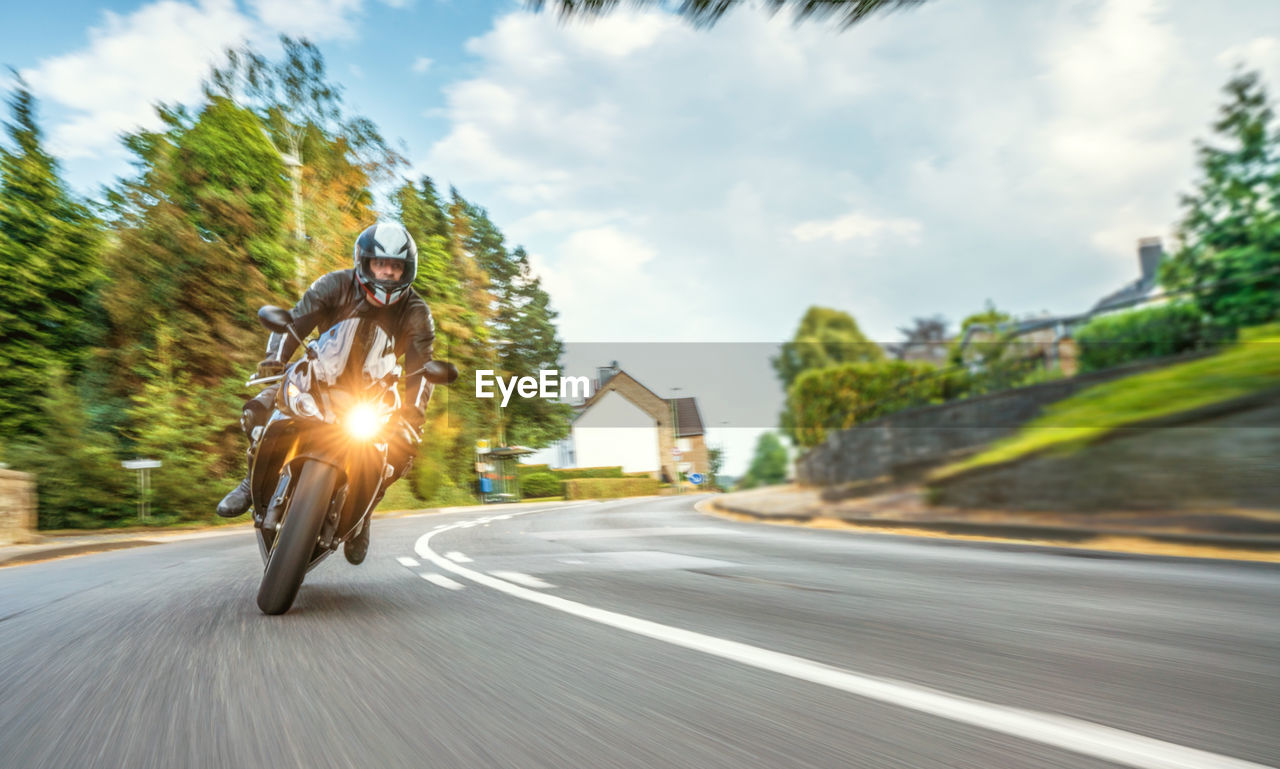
point(379, 287)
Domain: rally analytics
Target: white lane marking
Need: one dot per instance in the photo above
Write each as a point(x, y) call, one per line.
point(405, 561)
point(454, 555)
point(1070, 734)
point(528, 580)
point(441, 580)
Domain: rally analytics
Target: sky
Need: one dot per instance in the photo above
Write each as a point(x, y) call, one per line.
point(675, 184)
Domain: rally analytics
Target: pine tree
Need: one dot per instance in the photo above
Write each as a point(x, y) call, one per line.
point(49, 267)
point(526, 322)
point(1229, 254)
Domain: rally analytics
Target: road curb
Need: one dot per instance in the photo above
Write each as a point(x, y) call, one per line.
point(1150, 543)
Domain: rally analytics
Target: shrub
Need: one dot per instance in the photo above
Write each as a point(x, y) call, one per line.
point(540, 485)
point(527, 470)
point(607, 488)
point(1153, 332)
point(840, 396)
point(568, 473)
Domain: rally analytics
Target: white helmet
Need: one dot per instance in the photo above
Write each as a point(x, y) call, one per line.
point(385, 240)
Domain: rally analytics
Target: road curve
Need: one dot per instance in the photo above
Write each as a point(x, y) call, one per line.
point(640, 633)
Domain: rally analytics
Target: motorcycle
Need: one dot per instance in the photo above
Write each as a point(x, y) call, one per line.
point(321, 458)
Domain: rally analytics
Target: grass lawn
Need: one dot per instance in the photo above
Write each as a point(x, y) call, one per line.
point(1248, 366)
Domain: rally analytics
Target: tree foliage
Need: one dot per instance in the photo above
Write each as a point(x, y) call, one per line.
point(132, 336)
point(825, 337)
point(705, 13)
point(50, 248)
point(768, 463)
point(1229, 253)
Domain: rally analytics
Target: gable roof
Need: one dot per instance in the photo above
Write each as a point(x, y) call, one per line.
point(688, 418)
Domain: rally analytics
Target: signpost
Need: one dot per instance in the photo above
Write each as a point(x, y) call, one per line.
point(696, 479)
point(144, 467)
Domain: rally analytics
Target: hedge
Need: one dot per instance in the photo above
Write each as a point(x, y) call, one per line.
point(540, 485)
point(1153, 332)
point(567, 473)
point(840, 396)
point(606, 488)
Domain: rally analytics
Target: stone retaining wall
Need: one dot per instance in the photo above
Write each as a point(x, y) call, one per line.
point(901, 447)
point(17, 507)
point(1221, 458)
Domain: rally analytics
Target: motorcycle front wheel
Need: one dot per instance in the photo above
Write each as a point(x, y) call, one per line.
point(296, 539)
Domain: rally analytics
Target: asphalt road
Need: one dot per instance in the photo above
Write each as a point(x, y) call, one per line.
point(640, 634)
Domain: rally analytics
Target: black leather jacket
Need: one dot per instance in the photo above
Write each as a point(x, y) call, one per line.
point(336, 297)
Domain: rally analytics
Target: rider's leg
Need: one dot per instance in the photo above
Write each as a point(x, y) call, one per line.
point(255, 414)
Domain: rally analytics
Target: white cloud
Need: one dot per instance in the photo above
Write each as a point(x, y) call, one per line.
point(314, 19)
point(857, 225)
point(158, 53)
point(1259, 53)
point(1033, 145)
point(161, 52)
point(421, 64)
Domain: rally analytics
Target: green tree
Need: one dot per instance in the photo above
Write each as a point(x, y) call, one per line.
point(706, 13)
point(824, 338)
point(992, 344)
point(79, 481)
point(333, 156)
point(526, 323)
point(1229, 251)
point(715, 462)
point(768, 463)
point(197, 244)
point(454, 285)
point(50, 269)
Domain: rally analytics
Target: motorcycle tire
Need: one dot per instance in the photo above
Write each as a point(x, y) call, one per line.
point(296, 539)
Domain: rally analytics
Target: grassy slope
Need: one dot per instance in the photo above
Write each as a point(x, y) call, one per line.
point(1251, 365)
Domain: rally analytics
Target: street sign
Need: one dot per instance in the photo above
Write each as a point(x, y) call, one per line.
point(144, 468)
point(482, 446)
point(675, 454)
point(696, 479)
point(140, 464)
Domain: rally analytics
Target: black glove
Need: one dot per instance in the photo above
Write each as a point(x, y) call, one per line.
point(269, 367)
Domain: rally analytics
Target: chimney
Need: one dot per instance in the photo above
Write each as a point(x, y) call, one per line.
point(1150, 254)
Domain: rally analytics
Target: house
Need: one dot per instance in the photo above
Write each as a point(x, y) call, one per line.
point(625, 423)
point(1051, 337)
point(1144, 290)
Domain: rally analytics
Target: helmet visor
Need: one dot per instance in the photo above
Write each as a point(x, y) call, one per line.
point(385, 272)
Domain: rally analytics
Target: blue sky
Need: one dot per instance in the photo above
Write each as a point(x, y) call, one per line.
point(695, 185)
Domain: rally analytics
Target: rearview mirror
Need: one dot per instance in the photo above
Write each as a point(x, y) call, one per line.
point(275, 319)
point(438, 372)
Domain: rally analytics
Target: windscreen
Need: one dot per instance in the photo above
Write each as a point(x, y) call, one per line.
point(354, 353)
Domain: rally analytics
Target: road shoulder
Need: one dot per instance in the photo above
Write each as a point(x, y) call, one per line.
point(1235, 534)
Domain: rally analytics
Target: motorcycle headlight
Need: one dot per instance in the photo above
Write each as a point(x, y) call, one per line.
point(301, 403)
point(364, 421)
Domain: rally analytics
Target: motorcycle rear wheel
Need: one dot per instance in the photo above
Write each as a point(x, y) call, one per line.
point(296, 538)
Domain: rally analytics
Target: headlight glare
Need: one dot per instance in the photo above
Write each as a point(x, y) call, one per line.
point(364, 421)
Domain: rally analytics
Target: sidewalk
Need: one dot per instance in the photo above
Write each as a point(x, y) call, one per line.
point(54, 546)
point(1236, 534)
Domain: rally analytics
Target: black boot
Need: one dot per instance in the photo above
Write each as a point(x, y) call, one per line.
point(237, 501)
point(358, 546)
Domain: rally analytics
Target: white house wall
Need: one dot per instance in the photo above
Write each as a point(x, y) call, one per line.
point(614, 431)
